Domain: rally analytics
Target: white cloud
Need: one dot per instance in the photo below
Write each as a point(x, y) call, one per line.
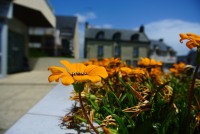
point(103, 26)
point(82, 18)
point(169, 30)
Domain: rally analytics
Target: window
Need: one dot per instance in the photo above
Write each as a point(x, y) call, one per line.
point(135, 37)
point(100, 35)
point(117, 36)
point(100, 51)
point(135, 52)
point(172, 53)
point(135, 63)
point(158, 52)
point(117, 50)
point(128, 62)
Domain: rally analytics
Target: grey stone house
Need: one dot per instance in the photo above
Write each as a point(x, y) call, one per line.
point(129, 45)
point(160, 51)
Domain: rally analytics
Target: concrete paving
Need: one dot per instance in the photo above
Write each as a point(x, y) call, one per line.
point(20, 92)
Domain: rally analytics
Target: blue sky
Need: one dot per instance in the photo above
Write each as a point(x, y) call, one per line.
point(161, 18)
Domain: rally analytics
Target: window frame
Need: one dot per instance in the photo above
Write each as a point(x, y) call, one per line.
point(100, 51)
point(135, 52)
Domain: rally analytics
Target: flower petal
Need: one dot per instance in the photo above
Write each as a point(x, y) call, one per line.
point(81, 78)
point(55, 69)
point(183, 37)
point(190, 44)
point(192, 35)
point(67, 80)
point(126, 69)
point(68, 65)
point(94, 79)
point(93, 70)
point(80, 67)
point(54, 77)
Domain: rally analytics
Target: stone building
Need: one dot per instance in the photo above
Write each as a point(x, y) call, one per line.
point(129, 45)
point(160, 51)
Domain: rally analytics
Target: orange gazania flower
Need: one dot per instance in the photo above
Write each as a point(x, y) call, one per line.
point(149, 62)
point(193, 40)
point(125, 70)
point(177, 68)
point(77, 72)
point(156, 72)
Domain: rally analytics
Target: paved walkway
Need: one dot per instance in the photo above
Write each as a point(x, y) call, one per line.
point(19, 92)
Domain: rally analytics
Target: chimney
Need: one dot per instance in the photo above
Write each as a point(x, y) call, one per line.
point(141, 30)
point(160, 40)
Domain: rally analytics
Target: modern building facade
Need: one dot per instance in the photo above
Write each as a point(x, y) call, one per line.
point(16, 17)
point(128, 45)
point(160, 51)
point(63, 40)
point(69, 36)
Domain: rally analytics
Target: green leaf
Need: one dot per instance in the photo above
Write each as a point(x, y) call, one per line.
point(129, 89)
point(94, 105)
point(110, 112)
point(157, 91)
point(130, 98)
point(104, 101)
point(144, 128)
point(112, 97)
point(121, 123)
point(80, 118)
point(98, 121)
point(122, 98)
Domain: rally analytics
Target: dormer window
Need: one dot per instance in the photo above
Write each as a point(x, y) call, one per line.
point(157, 49)
point(135, 37)
point(117, 36)
point(100, 35)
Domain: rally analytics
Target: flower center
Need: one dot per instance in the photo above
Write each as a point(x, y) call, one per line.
point(78, 73)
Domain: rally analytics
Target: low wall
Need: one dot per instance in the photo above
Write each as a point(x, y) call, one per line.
point(43, 63)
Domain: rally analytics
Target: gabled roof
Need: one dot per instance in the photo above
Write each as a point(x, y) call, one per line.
point(126, 35)
point(160, 44)
point(66, 24)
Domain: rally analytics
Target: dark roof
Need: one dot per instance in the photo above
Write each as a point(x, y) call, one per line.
point(182, 58)
point(160, 44)
point(126, 35)
point(66, 24)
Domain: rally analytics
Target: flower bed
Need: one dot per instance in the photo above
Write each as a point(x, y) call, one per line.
point(126, 99)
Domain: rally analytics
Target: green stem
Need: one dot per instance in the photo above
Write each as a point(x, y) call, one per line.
point(191, 94)
point(85, 114)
